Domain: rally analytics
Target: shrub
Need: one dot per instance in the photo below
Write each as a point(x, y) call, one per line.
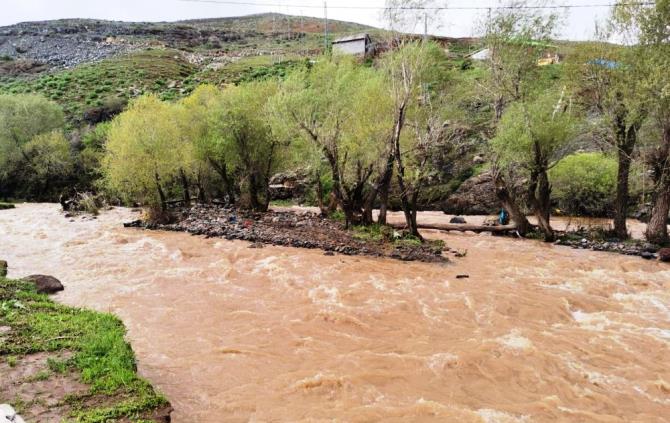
point(584, 184)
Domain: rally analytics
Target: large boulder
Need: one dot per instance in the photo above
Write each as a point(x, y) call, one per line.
point(3, 268)
point(45, 284)
point(477, 195)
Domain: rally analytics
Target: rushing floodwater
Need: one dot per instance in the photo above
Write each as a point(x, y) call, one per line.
point(229, 333)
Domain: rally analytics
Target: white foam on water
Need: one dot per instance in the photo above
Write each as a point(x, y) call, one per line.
point(495, 416)
point(515, 341)
point(325, 295)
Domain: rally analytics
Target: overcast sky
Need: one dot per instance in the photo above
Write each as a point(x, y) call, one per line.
point(579, 23)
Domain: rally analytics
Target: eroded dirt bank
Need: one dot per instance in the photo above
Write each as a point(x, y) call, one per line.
point(228, 333)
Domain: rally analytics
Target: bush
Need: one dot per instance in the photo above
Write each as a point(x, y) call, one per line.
point(584, 184)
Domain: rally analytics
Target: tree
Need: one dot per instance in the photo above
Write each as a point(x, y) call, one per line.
point(515, 37)
point(413, 79)
point(22, 118)
point(51, 161)
point(245, 141)
point(646, 27)
point(145, 152)
point(535, 135)
point(199, 129)
point(321, 106)
point(607, 86)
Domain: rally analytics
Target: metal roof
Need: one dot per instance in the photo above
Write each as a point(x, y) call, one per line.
point(354, 37)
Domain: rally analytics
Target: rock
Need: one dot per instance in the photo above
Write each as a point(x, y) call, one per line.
point(45, 284)
point(475, 196)
point(647, 255)
point(458, 220)
point(664, 255)
point(650, 248)
point(3, 268)
point(8, 414)
point(479, 159)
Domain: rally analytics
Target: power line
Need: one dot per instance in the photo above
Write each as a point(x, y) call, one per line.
point(432, 8)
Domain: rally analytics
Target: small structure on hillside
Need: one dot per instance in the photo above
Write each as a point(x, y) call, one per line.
point(549, 58)
point(480, 55)
point(359, 45)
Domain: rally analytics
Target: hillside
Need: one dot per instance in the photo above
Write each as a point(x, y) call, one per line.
point(88, 64)
point(67, 43)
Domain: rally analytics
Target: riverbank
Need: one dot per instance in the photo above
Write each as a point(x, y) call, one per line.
point(302, 230)
point(59, 363)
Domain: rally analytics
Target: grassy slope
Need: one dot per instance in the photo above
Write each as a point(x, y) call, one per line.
point(101, 355)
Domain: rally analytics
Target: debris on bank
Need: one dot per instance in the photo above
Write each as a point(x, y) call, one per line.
point(639, 248)
point(301, 230)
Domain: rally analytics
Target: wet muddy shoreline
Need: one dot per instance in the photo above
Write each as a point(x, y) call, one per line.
point(296, 229)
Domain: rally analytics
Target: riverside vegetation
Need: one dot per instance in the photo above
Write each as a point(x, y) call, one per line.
point(64, 363)
point(389, 132)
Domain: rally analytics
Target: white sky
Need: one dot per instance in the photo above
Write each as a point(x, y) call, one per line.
point(579, 23)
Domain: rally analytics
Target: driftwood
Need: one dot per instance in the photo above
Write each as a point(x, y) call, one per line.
point(462, 227)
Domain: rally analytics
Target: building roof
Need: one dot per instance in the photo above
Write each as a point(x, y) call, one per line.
point(349, 38)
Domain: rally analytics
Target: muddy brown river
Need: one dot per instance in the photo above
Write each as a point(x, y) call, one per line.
point(537, 333)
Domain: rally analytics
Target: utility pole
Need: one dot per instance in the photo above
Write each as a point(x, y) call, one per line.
point(302, 33)
point(325, 27)
point(425, 26)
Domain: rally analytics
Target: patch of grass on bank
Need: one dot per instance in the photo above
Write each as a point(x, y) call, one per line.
point(6, 206)
point(102, 357)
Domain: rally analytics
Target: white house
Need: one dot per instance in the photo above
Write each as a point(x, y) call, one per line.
point(359, 44)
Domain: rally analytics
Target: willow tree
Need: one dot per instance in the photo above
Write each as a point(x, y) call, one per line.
point(607, 86)
point(22, 118)
point(199, 128)
point(145, 154)
point(534, 136)
point(323, 106)
point(243, 140)
point(647, 27)
point(515, 37)
point(413, 79)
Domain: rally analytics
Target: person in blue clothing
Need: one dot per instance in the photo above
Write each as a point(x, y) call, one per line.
point(503, 217)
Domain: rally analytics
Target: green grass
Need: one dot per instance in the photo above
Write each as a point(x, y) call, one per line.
point(6, 206)
point(101, 355)
point(125, 77)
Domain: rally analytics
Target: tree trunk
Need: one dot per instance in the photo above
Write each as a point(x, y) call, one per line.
point(626, 137)
point(184, 184)
point(222, 170)
point(657, 228)
point(383, 203)
point(544, 206)
point(621, 201)
point(509, 203)
point(253, 193)
point(384, 186)
point(161, 194)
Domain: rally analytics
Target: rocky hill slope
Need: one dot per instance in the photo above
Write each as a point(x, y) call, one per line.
point(70, 42)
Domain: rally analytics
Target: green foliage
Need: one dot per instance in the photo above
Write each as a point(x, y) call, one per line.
point(543, 123)
point(144, 151)
point(584, 184)
point(102, 356)
point(125, 76)
point(23, 117)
